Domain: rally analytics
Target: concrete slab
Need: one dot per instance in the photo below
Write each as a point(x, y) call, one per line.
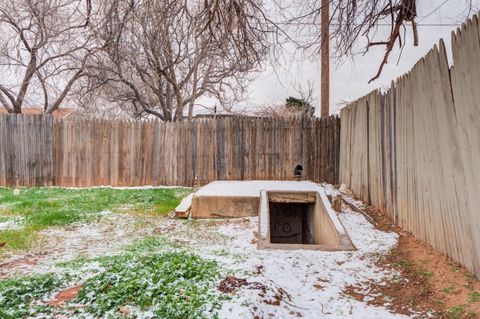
point(292, 214)
point(232, 199)
point(253, 188)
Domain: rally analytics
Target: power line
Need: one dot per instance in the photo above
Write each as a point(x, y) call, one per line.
point(378, 24)
point(435, 10)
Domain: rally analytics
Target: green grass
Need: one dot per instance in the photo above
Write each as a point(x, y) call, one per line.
point(404, 264)
point(40, 208)
point(424, 273)
point(460, 312)
point(456, 312)
point(152, 274)
point(4, 218)
point(474, 296)
point(447, 290)
point(224, 253)
point(151, 245)
point(16, 238)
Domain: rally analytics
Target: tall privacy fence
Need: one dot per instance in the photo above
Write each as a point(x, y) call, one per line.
point(414, 151)
point(40, 150)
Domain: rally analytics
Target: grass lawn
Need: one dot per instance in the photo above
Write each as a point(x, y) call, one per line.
point(152, 276)
point(35, 209)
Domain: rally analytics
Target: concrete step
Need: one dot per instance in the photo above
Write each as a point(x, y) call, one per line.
point(183, 209)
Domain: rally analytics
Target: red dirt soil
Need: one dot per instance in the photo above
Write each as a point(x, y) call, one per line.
point(434, 282)
point(65, 295)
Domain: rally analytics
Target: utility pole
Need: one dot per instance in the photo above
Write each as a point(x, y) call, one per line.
point(325, 59)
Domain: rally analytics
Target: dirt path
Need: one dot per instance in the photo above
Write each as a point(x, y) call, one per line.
point(429, 279)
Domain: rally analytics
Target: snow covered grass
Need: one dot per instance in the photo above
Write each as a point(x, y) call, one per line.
point(35, 209)
point(152, 277)
point(169, 284)
point(142, 266)
point(172, 285)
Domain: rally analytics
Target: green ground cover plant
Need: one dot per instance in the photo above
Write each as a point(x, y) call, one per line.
point(152, 275)
point(172, 285)
point(21, 297)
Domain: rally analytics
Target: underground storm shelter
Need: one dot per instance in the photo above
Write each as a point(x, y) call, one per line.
point(300, 220)
point(292, 214)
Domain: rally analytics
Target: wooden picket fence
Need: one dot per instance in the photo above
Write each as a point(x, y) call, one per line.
point(39, 150)
point(414, 151)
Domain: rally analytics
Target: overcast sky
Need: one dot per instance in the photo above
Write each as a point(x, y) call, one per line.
point(349, 80)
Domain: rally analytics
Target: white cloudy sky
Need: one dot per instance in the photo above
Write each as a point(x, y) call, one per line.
point(349, 80)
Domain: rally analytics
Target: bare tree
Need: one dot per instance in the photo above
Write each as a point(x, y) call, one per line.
point(163, 55)
point(44, 49)
point(352, 19)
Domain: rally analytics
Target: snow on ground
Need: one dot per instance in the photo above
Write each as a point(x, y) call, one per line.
point(61, 244)
point(253, 188)
point(281, 284)
point(9, 224)
point(310, 283)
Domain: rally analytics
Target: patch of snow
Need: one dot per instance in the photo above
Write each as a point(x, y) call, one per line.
point(253, 188)
point(331, 213)
point(313, 281)
point(330, 190)
point(62, 244)
point(343, 188)
point(11, 224)
point(105, 212)
point(7, 225)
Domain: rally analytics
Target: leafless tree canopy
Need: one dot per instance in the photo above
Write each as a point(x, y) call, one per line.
point(352, 19)
point(147, 56)
point(44, 47)
point(159, 57)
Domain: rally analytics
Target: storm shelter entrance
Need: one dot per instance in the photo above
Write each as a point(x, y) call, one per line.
point(292, 223)
point(300, 220)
